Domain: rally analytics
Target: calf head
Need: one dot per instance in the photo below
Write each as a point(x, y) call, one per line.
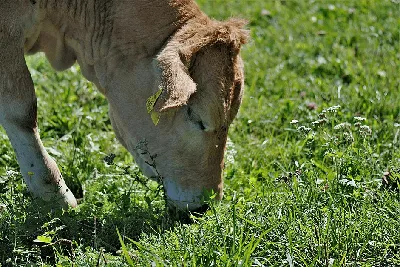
point(196, 94)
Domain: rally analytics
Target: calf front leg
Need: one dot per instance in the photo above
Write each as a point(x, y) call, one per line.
point(18, 117)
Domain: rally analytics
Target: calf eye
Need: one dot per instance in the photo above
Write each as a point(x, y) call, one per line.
point(194, 118)
point(201, 125)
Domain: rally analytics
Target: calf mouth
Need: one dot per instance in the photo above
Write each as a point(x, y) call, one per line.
point(186, 216)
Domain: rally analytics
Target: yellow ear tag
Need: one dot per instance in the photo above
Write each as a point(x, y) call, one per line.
point(151, 101)
point(155, 117)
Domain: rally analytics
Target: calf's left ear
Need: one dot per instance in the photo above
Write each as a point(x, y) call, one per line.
point(176, 85)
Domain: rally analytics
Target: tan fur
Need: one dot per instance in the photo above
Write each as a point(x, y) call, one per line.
point(129, 49)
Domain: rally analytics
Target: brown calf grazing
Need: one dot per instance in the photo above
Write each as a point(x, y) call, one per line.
point(172, 76)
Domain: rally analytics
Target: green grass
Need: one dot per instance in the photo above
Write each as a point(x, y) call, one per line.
point(305, 193)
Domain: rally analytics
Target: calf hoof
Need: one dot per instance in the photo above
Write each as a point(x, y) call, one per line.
point(48, 184)
point(54, 191)
point(65, 196)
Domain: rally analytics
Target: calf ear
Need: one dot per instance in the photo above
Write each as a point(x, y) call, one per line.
point(176, 85)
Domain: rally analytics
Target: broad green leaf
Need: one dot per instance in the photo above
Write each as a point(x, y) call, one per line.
point(43, 239)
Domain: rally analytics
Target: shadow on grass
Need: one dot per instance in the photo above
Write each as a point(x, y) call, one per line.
point(37, 232)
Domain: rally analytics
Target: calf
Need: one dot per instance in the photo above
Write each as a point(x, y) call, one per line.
point(172, 76)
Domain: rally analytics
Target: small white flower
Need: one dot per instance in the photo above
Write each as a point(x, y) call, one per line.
point(294, 121)
point(3, 207)
point(332, 109)
point(359, 118)
point(11, 173)
point(348, 137)
point(381, 73)
point(343, 125)
point(365, 130)
point(321, 60)
point(230, 152)
point(303, 128)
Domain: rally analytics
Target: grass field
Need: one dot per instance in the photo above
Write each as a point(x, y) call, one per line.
point(313, 162)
